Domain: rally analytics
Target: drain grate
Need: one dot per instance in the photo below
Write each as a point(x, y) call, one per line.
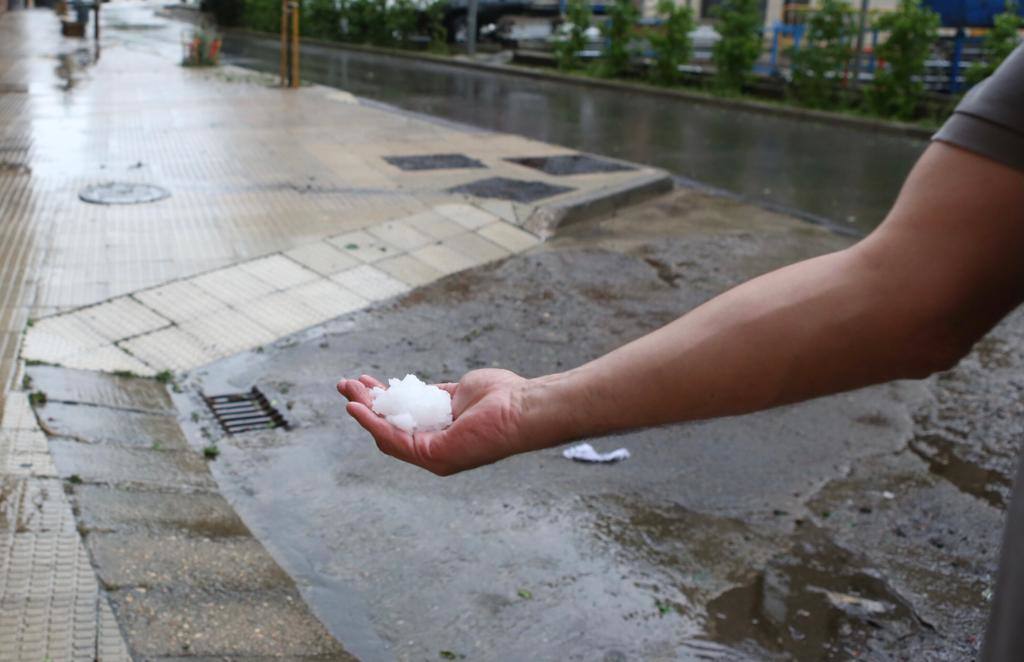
point(120, 193)
point(571, 164)
point(433, 162)
point(244, 412)
point(504, 188)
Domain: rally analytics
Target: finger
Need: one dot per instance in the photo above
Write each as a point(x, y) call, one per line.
point(355, 391)
point(390, 440)
point(371, 382)
point(448, 386)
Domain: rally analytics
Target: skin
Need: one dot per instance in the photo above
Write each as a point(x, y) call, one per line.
point(907, 301)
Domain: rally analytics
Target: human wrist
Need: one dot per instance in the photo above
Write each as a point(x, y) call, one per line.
point(553, 410)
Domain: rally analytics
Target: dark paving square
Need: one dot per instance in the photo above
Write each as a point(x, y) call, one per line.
point(433, 162)
point(571, 164)
point(516, 190)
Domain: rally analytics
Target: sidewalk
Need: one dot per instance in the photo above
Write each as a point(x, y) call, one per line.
point(281, 209)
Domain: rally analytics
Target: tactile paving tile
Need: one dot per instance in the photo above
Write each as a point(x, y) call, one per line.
point(409, 270)
point(476, 247)
point(226, 332)
point(509, 236)
point(434, 224)
point(467, 216)
point(51, 607)
point(108, 358)
point(170, 349)
point(322, 257)
point(327, 298)
point(18, 413)
point(53, 339)
point(400, 235)
point(362, 246)
point(370, 283)
point(121, 318)
point(282, 314)
point(278, 271)
point(179, 301)
point(234, 286)
point(444, 259)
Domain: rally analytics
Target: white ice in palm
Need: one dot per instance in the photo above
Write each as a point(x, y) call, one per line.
point(413, 406)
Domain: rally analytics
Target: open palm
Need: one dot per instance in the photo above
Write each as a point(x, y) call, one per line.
point(486, 424)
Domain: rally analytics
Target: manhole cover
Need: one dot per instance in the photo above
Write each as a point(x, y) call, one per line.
point(433, 162)
point(120, 193)
point(571, 164)
point(504, 188)
point(242, 412)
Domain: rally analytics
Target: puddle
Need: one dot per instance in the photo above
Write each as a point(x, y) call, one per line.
point(940, 453)
point(814, 602)
point(571, 164)
point(71, 65)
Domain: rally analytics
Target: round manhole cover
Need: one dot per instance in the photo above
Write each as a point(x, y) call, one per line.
point(120, 193)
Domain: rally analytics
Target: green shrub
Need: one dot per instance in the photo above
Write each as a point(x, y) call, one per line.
point(671, 44)
point(622, 17)
point(224, 12)
point(897, 89)
point(997, 44)
point(436, 31)
point(321, 19)
point(262, 15)
point(820, 62)
point(578, 17)
point(739, 24)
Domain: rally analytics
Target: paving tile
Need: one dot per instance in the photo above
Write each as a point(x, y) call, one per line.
point(434, 224)
point(170, 349)
point(282, 314)
point(94, 388)
point(52, 339)
point(400, 235)
point(102, 507)
point(444, 259)
point(370, 283)
point(476, 247)
point(410, 270)
point(362, 246)
point(278, 271)
point(104, 425)
point(179, 301)
point(17, 414)
point(509, 236)
point(121, 318)
point(227, 332)
point(467, 216)
point(322, 257)
point(108, 359)
point(328, 299)
point(233, 286)
point(124, 466)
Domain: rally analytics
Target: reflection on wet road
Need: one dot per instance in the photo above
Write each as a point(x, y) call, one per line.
point(849, 176)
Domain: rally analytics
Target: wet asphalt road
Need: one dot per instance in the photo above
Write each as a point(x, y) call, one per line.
point(849, 176)
point(864, 525)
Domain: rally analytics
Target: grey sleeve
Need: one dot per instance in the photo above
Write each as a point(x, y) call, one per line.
point(990, 119)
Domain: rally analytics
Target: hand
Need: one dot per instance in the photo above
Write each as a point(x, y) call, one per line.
point(487, 423)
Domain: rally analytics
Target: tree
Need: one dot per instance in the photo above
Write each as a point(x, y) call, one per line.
point(321, 19)
point(997, 44)
point(739, 25)
point(897, 89)
point(577, 18)
point(671, 45)
point(435, 26)
point(824, 54)
point(622, 15)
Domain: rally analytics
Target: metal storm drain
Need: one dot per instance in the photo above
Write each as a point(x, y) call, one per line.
point(121, 193)
point(571, 164)
point(433, 162)
point(515, 190)
point(244, 412)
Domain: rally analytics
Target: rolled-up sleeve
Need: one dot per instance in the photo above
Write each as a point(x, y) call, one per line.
point(990, 119)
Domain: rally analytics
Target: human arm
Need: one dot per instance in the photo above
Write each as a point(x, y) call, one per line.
point(911, 299)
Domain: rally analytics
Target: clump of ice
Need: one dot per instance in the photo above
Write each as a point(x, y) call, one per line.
point(413, 406)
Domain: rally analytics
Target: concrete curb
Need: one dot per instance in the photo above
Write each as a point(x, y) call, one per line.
point(826, 117)
point(546, 219)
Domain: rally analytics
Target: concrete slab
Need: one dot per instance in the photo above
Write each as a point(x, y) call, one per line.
point(106, 508)
point(88, 387)
point(116, 465)
point(115, 427)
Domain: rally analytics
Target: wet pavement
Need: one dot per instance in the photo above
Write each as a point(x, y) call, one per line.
point(812, 532)
point(848, 176)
